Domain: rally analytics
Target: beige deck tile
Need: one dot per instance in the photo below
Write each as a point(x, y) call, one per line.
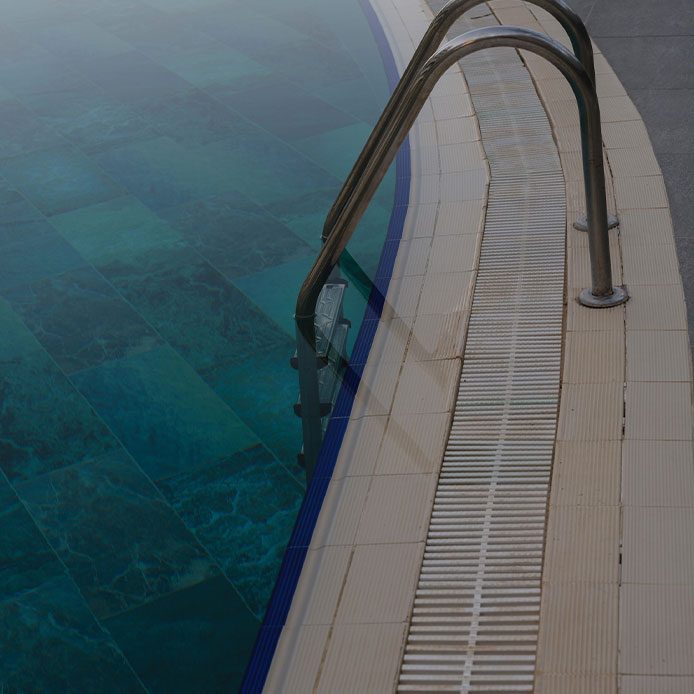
point(403, 297)
point(575, 684)
point(658, 473)
point(424, 134)
point(452, 106)
point(457, 187)
point(658, 411)
point(642, 684)
point(360, 447)
point(363, 658)
point(582, 319)
point(453, 253)
point(646, 227)
point(420, 220)
point(602, 67)
point(650, 264)
point(426, 189)
point(376, 390)
point(391, 341)
point(564, 115)
point(582, 545)
point(608, 84)
point(628, 163)
point(590, 412)
point(413, 256)
point(557, 89)
point(460, 218)
point(437, 336)
point(413, 443)
point(457, 130)
point(427, 387)
point(397, 509)
point(640, 193)
point(652, 307)
point(578, 629)
point(461, 157)
point(625, 135)
point(446, 293)
point(656, 627)
point(586, 474)
point(594, 357)
point(380, 584)
point(615, 109)
point(653, 355)
point(657, 546)
point(297, 660)
point(341, 511)
point(424, 161)
point(322, 576)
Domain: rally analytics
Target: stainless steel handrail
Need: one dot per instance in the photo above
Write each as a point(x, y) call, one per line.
point(602, 294)
point(434, 35)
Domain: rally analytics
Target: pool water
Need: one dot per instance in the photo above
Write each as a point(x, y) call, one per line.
point(165, 169)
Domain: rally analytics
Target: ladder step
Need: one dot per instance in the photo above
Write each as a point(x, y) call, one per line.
point(328, 319)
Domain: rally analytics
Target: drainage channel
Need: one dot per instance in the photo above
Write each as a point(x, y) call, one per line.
point(476, 612)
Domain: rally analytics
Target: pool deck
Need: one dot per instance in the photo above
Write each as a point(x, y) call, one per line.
point(615, 585)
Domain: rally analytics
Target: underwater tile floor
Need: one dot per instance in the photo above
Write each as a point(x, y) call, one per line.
point(165, 169)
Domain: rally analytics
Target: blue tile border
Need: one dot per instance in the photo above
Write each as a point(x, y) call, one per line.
point(292, 563)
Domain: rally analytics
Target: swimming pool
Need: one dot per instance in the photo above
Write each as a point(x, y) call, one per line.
point(165, 168)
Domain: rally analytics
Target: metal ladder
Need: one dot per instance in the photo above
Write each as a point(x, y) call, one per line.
point(423, 72)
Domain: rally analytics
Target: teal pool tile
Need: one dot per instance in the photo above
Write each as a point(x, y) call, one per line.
point(163, 173)
point(193, 118)
point(337, 149)
point(194, 640)
point(14, 46)
point(244, 28)
point(133, 78)
point(308, 62)
point(122, 543)
point(39, 73)
point(200, 313)
point(151, 30)
point(32, 250)
point(353, 97)
point(115, 230)
point(264, 168)
point(22, 131)
point(58, 180)
point(262, 390)
point(50, 642)
point(236, 236)
point(211, 65)
point(305, 214)
point(81, 320)
point(14, 207)
point(27, 560)
point(226, 503)
point(300, 114)
point(44, 422)
point(79, 39)
point(89, 118)
point(162, 412)
point(275, 290)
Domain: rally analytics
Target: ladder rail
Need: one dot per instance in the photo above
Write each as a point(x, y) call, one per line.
point(432, 39)
point(602, 294)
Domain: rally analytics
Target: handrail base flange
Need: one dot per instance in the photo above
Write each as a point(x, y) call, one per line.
point(619, 295)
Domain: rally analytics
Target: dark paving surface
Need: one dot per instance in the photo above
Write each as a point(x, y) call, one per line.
point(650, 45)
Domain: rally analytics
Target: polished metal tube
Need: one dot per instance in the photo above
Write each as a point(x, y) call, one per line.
point(395, 131)
point(435, 34)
